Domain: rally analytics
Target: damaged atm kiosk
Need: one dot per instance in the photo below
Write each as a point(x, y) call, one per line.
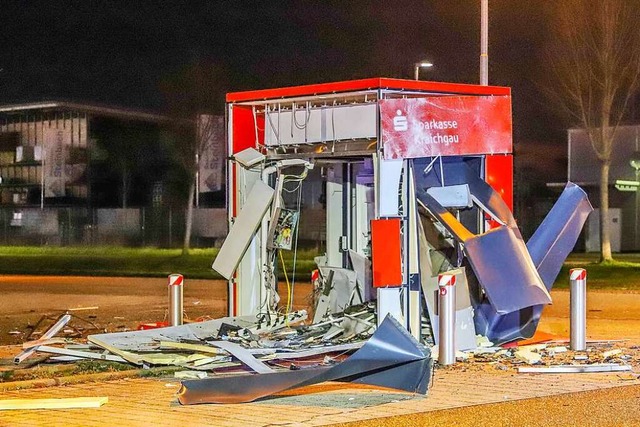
point(418, 182)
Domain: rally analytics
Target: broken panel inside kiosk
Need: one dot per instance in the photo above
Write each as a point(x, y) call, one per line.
point(416, 180)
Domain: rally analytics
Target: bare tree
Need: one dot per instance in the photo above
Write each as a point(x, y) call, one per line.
point(205, 131)
point(595, 60)
point(195, 91)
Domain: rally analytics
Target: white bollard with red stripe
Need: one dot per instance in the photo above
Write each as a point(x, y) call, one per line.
point(176, 282)
point(578, 304)
point(447, 319)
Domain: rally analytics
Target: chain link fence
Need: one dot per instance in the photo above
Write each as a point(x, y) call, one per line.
point(71, 226)
point(161, 227)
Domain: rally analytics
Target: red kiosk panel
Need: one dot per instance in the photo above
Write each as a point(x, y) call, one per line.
point(386, 255)
point(499, 175)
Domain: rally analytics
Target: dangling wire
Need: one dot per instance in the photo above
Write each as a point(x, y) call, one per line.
point(295, 239)
point(289, 290)
point(306, 119)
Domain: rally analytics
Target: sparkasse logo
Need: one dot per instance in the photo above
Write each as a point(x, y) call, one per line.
point(400, 123)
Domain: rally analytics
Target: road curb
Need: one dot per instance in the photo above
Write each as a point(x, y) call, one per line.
point(68, 380)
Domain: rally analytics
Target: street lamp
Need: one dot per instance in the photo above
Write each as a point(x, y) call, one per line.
point(425, 63)
point(484, 42)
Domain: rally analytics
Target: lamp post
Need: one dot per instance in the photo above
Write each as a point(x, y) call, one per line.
point(484, 42)
point(420, 64)
point(635, 164)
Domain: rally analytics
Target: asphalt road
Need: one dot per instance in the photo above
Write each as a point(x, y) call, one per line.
point(615, 407)
point(111, 303)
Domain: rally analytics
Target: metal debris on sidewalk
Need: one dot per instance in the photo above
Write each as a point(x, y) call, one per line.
point(575, 369)
point(50, 333)
point(390, 358)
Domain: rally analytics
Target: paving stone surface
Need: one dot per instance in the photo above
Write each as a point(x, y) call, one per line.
point(143, 402)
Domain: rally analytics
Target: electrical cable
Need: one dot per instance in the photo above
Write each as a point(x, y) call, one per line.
point(295, 120)
point(286, 278)
point(295, 239)
point(276, 132)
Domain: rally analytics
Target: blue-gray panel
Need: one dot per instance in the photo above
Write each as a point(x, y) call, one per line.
point(391, 358)
point(500, 261)
point(499, 254)
point(549, 246)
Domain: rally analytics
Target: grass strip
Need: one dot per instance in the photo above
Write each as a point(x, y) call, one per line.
point(621, 274)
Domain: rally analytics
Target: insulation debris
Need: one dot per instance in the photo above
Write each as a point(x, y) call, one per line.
point(575, 369)
point(551, 355)
point(67, 403)
point(528, 356)
point(249, 343)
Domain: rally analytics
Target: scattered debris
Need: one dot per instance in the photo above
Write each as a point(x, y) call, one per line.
point(557, 349)
point(528, 356)
point(611, 353)
point(49, 334)
point(390, 358)
point(574, 369)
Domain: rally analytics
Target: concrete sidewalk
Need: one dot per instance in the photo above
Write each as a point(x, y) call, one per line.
point(144, 402)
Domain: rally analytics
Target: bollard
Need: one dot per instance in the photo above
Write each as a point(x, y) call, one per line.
point(447, 319)
point(175, 299)
point(578, 304)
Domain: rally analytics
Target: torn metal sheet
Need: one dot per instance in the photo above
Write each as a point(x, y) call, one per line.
point(575, 369)
point(546, 250)
point(549, 247)
point(48, 334)
point(556, 236)
point(391, 358)
point(505, 270)
point(465, 327)
point(499, 259)
point(314, 351)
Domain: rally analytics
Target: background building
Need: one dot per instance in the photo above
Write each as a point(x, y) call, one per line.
point(54, 153)
point(74, 173)
point(624, 201)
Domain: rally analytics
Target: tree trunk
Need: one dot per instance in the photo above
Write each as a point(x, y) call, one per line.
point(188, 218)
point(605, 235)
point(125, 188)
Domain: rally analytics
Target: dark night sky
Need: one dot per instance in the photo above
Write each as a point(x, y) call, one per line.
point(118, 52)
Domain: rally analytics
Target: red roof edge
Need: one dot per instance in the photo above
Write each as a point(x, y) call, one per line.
point(367, 84)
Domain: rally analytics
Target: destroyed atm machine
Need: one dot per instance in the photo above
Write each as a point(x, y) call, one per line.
point(418, 181)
